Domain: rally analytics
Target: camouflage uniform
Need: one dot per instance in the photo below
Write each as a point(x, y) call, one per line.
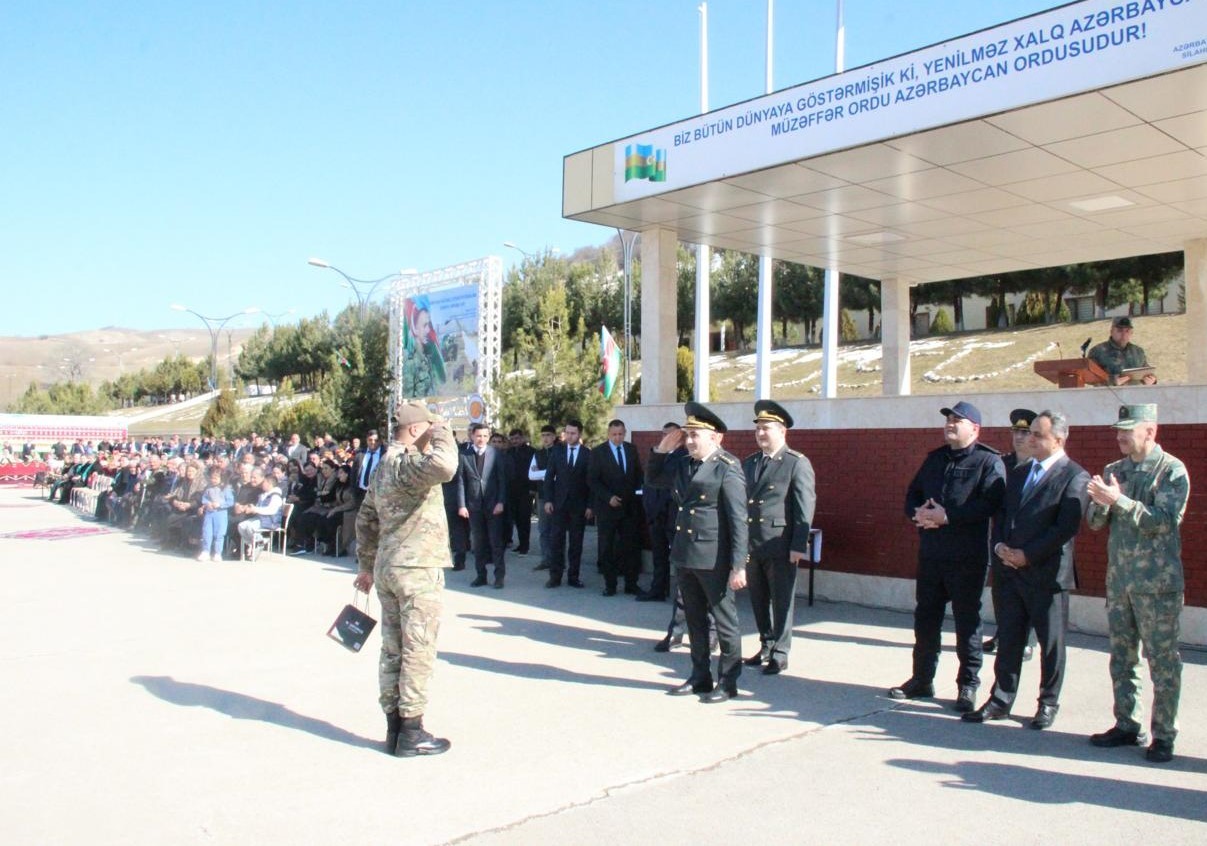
point(1114, 359)
point(1144, 585)
point(402, 539)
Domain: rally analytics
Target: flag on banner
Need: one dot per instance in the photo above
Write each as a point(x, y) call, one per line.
point(610, 356)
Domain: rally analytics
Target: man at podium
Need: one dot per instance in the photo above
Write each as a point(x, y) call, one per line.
point(1119, 355)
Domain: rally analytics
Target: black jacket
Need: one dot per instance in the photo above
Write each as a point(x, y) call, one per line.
point(969, 483)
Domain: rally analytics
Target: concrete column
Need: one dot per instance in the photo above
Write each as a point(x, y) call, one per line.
point(659, 285)
point(829, 335)
point(1196, 311)
point(762, 358)
point(894, 338)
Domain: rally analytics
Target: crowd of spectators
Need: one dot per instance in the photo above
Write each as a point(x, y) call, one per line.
point(215, 499)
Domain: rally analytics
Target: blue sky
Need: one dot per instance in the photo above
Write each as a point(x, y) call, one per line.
point(159, 152)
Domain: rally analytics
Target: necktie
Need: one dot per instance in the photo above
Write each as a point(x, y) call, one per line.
point(573, 450)
point(1037, 472)
point(480, 461)
point(367, 469)
point(620, 458)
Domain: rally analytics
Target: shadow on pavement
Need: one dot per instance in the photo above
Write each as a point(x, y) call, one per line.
point(546, 672)
point(1045, 787)
point(240, 706)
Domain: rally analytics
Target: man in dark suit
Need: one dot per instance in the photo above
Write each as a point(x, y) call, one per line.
point(1045, 501)
point(536, 483)
point(458, 526)
point(614, 477)
point(567, 502)
point(710, 547)
point(519, 494)
point(365, 463)
point(660, 510)
point(780, 499)
point(481, 499)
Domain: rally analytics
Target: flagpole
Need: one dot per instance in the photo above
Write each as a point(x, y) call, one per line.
point(762, 333)
point(627, 251)
point(830, 285)
point(702, 387)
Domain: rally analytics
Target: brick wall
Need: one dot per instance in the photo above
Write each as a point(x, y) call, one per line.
point(862, 476)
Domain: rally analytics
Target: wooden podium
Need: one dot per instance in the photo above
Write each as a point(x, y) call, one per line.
point(1072, 372)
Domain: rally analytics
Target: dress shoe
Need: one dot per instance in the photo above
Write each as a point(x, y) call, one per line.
point(989, 646)
point(775, 666)
point(912, 689)
point(689, 688)
point(457, 568)
point(478, 582)
point(540, 567)
point(1044, 717)
point(632, 590)
point(609, 591)
point(989, 711)
point(1160, 752)
point(575, 583)
point(668, 642)
point(720, 694)
point(498, 585)
point(552, 583)
point(522, 551)
point(650, 597)
point(758, 660)
point(1028, 652)
point(1116, 736)
point(966, 700)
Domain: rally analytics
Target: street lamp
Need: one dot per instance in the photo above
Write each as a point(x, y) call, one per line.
point(353, 283)
point(272, 318)
point(511, 245)
point(214, 332)
point(120, 353)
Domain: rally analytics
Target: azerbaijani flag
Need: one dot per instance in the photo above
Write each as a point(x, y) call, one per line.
point(610, 357)
point(639, 161)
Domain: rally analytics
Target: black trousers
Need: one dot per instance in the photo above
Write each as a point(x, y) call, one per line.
point(661, 528)
point(772, 583)
point(486, 535)
point(519, 515)
point(707, 591)
point(959, 582)
point(458, 535)
point(1021, 607)
point(619, 555)
point(567, 528)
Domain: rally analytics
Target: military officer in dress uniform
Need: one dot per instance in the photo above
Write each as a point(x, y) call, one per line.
point(402, 547)
point(709, 549)
point(780, 499)
point(1142, 498)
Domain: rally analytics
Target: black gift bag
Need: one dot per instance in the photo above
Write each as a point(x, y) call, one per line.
point(352, 627)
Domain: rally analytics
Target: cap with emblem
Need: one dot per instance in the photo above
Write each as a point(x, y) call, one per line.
point(412, 411)
point(1022, 418)
point(1131, 416)
point(963, 409)
point(699, 416)
point(1121, 323)
point(767, 411)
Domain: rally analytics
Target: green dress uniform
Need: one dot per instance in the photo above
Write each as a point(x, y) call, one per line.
point(780, 500)
point(1144, 584)
point(710, 542)
point(402, 539)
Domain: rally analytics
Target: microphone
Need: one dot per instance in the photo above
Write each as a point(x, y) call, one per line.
point(1085, 348)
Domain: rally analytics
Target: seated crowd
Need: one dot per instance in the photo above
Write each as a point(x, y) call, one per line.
point(214, 499)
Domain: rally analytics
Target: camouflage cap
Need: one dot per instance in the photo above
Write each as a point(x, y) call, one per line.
point(412, 411)
point(1131, 416)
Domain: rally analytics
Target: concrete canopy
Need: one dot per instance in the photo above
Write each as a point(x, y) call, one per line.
point(1116, 171)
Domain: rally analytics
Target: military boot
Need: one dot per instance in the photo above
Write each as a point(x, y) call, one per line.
point(393, 728)
point(415, 740)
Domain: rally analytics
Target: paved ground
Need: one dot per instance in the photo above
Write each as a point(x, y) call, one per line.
point(149, 698)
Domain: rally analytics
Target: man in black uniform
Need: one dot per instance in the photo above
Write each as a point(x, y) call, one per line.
point(660, 511)
point(780, 499)
point(709, 550)
point(956, 492)
point(519, 492)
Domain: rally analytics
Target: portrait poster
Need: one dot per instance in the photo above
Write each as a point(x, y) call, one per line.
point(440, 344)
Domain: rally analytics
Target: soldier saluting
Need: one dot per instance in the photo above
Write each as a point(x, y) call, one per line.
point(402, 547)
point(780, 499)
point(709, 547)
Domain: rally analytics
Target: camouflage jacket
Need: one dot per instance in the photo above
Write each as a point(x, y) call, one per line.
point(401, 522)
point(1144, 552)
point(1115, 359)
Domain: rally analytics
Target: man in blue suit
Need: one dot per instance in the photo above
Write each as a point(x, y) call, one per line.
point(1033, 568)
point(481, 499)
